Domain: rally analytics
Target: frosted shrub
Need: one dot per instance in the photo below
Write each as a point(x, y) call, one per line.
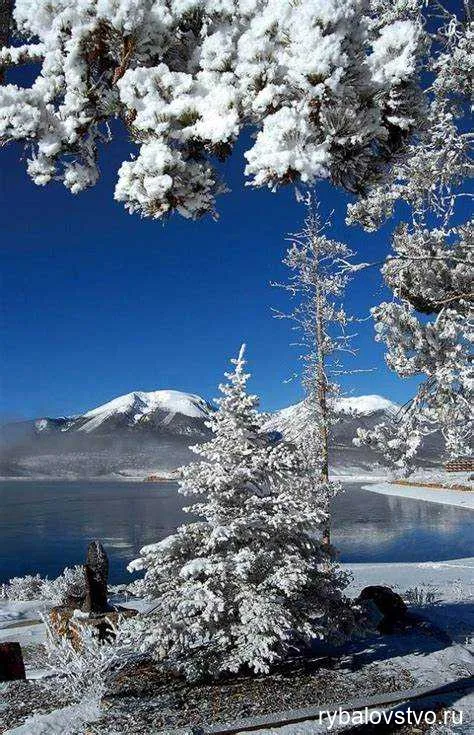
point(70, 580)
point(84, 661)
point(420, 596)
point(81, 668)
point(55, 591)
point(22, 589)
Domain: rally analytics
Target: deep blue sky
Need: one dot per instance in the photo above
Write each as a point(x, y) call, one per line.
point(97, 302)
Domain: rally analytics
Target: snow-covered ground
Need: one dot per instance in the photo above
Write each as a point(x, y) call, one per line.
point(458, 498)
point(443, 592)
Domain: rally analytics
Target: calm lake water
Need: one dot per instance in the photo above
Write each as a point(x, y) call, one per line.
point(45, 526)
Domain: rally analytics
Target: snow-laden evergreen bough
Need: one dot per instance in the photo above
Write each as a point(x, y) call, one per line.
point(252, 578)
point(433, 163)
point(328, 86)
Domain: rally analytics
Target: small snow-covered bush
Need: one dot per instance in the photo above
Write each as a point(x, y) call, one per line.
point(29, 587)
point(81, 668)
point(83, 664)
point(22, 589)
point(420, 596)
point(70, 580)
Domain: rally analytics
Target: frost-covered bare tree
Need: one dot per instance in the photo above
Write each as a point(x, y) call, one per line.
point(252, 577)
point(329, 87)
point(428, 327)
point(320, 272)
point(428, 330)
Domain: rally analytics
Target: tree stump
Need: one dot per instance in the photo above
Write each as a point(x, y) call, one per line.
point(96, 572)
point(101, 615)
point(11, 662)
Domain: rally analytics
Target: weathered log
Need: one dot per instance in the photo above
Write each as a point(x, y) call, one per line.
point(11, 662)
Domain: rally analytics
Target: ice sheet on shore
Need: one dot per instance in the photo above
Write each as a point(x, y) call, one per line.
point(458, 498)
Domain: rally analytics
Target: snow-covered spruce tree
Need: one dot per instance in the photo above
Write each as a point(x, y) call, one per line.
point(319, 277)
point(329, 86)
point(252, 578)
point(428, 327)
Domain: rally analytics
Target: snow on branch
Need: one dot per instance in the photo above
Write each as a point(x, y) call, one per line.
point(330, 90)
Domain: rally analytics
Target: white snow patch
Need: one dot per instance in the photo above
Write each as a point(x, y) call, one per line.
point(6, 617)
point(59, 721)
point(453, 579)
point(41, 424)
point(365, 405)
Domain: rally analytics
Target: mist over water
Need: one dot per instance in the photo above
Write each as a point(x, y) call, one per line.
point(46, 525)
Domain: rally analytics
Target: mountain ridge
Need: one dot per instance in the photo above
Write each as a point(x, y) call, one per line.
point(150, 432)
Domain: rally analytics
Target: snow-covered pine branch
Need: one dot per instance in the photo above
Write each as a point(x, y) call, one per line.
point(329, 87)
point(250, 579)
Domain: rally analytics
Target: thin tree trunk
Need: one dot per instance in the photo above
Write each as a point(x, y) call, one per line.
point(6, 11)
point(322, 386)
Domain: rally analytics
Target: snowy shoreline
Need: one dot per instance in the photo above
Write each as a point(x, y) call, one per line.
point(453, 578)
point(443, 496)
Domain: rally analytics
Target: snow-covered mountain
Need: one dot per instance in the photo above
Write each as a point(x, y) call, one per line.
point(144, 433)
point(365, 405)
point(138, 433)
point(137, 409)
point(353, 411)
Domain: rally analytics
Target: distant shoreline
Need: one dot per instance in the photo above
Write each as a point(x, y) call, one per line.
point(137, 480)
